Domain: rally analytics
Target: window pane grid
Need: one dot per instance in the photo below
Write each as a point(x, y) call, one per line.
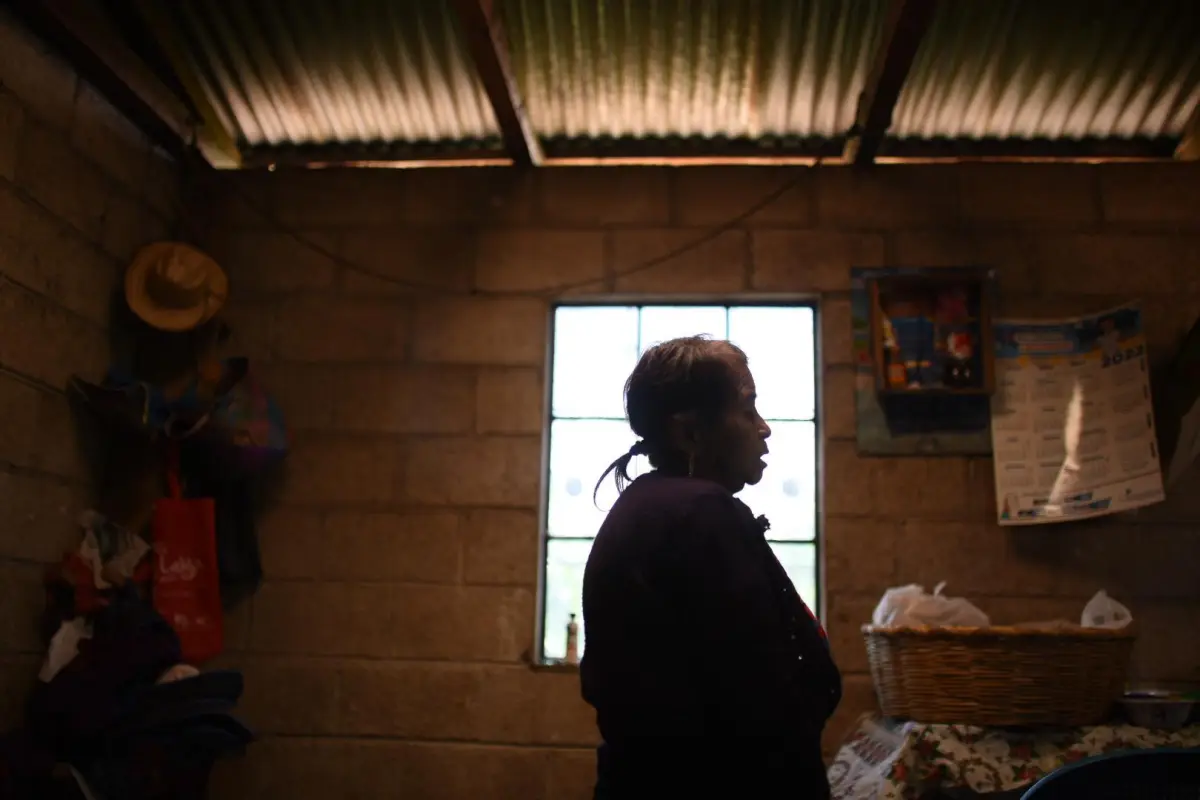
point(589, 441)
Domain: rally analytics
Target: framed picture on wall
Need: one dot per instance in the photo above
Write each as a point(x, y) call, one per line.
point(923, 354)
point(931, 334)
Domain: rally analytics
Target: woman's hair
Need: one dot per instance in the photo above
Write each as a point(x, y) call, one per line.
point(691, 374)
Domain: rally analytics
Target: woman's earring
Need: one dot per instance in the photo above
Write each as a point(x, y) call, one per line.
point(691, 464)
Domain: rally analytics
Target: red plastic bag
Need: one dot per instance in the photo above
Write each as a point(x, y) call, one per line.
point(187, 584)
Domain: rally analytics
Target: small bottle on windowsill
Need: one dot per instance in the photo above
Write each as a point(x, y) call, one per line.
point(572, 641)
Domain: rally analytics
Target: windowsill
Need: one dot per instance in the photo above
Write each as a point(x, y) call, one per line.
point(553, 666)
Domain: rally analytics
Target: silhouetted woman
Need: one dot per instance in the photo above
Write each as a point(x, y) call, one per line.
point(708, 673)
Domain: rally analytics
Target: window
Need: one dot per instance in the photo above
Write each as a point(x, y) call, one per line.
point(595, 349)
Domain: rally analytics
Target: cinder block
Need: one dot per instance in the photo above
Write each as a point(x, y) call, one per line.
point(839, 415)
point(324, 469)
point(63, 181)
point(42, 512)
point(232, 200)
point(163, 187)
point(848, 480)
point(505, 471)
point(283, 535)
point(924, 488)
point(1030, 195)
point(887, 197)
point(290, 695)
point(18, 677)
point(403, 399)
point(467, 623)
point(440, 701)
point(1099, 264)
point(844, 619)
point(1075, 562)
point(56, 448)
point(23, 599)
point(323, 619)
point(420, 546)
point(981, 490)
point(572, 774)
point(481, 331)
point(1167, 648)
point(837, 331)
point(860, 554)
point(718, 195)
point(42, 80)
point(1181, 506)
point(618, 196)
point(717, 265)
point(49, 257)
point(1152, 195)
point(108, 139)
point(407, 621)
point(340, 329)
point(42, 341)
point(306, 393)
point(310, 769)
point(1153, 561)
point(237, 620)
point(1010, 255)
point(560, 715)
point(523, 260)
point(19, 407)
point(250, 323)
point(500, 547)
point(337, 197)
point(399, 261)
point(977, 563)
point(12, 119)
point(486, 196)
point(272, 262)
point(510, 400)
point(130, 225)
point(811, 261)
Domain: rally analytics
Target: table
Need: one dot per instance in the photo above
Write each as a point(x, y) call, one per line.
point(888, 760)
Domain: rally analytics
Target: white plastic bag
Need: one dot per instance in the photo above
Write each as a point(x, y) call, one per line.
point(1104, 612)
point(906, 606)
point(64, 646)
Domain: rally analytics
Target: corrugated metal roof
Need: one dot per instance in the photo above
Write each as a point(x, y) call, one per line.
point(1067, 69)
point(308, 72)
point(692, 68)
point(698, 73)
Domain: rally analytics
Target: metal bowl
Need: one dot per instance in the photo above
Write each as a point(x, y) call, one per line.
point(1159, 710)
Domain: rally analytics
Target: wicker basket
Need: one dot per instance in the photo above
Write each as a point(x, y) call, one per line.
point(998, 676)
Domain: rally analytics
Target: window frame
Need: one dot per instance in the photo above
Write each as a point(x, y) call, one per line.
point(727, 301)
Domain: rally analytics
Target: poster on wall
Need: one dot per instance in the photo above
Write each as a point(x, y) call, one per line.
point(923, 424)
point(1072, 423)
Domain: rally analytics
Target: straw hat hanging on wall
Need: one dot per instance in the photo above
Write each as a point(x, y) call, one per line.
point(174, 287)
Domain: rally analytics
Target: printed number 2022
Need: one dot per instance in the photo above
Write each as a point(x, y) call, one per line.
point(1128, 354)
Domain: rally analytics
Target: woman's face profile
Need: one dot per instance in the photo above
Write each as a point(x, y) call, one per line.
point(732, 452)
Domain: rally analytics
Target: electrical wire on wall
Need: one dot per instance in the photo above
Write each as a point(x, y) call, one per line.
point(545, 291)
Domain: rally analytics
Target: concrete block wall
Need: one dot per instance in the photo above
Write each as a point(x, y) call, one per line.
point(80, 191)
point(386, 653)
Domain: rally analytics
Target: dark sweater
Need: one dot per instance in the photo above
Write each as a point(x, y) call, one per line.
point(705, 668)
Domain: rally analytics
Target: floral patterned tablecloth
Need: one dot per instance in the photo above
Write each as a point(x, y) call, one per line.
point(885, 760)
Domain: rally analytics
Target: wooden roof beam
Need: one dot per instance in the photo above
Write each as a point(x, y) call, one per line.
point(903, 30)
point(1189, 145)
point(90, 42)
point(483, 31)
point(213, 140)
